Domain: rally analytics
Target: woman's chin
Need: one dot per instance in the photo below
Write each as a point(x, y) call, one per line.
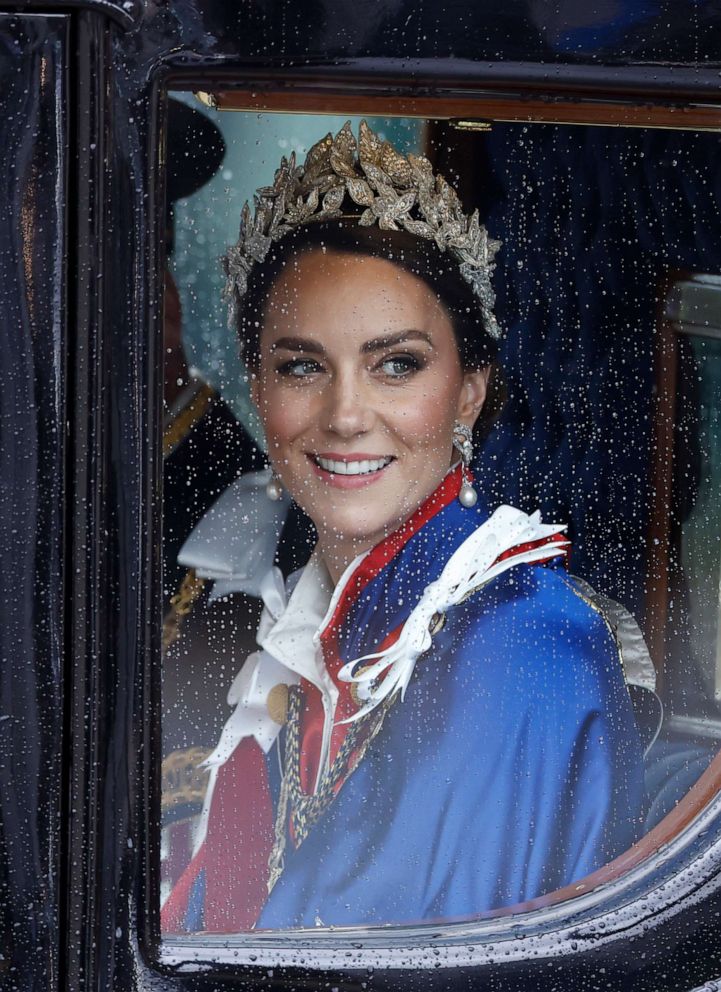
point(350, 528)
point(361, 515)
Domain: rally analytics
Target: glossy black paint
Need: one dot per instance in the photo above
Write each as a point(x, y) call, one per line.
point(606, 33)
point(619, 33)
point(102, 932)
point(123, 12)
point(95, 604)
point(33, 163)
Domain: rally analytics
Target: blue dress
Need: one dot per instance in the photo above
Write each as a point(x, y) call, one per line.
point(512, 767)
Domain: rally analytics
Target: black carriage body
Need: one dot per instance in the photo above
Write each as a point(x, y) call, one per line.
point(82, 94)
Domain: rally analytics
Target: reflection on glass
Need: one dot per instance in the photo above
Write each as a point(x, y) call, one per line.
point(700, 533)
point(386, 697)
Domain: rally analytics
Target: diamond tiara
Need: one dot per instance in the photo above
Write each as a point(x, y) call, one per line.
point(395, 191)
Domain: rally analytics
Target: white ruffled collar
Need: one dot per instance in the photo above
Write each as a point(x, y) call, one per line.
point(234, 542)
point(234, 546)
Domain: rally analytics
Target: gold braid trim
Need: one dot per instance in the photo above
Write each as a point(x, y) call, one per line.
point(183, 781)
point(179, 428)
point(305, 810)
point(180, 606)
point(582, 591)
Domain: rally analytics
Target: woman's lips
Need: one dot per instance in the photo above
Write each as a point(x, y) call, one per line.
point(350, 471)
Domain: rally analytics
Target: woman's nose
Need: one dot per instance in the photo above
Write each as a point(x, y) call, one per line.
point(348, 411)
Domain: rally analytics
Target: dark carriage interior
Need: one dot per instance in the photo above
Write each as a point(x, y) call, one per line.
point(606, 233)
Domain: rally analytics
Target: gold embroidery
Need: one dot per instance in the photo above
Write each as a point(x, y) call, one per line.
point(570, 581)
point(181, 425)
point(180, 606)
point(305, 810)
point(183, 782)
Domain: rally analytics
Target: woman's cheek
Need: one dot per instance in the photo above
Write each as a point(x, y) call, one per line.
point(427, 421)
point(283, 416)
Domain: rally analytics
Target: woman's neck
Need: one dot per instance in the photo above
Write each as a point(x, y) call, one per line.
point(337, 553)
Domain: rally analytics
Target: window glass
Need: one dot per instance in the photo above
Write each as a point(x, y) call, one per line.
point(393, 691)
point(700, 399)
point(690, 604)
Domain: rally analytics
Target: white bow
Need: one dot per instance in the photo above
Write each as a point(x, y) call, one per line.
point(470, 567)
point(234, 542)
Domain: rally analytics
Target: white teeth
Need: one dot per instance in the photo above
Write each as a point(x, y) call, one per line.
point(352, 468)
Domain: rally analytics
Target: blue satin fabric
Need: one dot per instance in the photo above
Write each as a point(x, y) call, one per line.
point(512, 767)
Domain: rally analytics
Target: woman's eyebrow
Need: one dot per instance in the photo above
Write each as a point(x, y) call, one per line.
point(298, 344)
point(389, 340)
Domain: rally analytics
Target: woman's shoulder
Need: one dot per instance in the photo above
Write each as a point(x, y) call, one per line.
point(541, 598)
point(538, 619)
point(528, 658)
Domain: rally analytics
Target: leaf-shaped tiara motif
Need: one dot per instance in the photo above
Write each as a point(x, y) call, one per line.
point(397, 192)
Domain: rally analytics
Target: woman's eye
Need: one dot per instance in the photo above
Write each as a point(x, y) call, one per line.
point(397, 366)
point(298, 368)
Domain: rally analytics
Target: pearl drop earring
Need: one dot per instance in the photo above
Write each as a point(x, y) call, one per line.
point(274, 488)
point(463, 442)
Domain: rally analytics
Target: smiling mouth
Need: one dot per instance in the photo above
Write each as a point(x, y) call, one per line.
point(365, 466)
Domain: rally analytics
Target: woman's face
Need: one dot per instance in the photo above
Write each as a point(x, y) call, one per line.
point(359, 383)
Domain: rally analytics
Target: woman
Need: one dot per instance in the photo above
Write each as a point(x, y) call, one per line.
point(437, 723)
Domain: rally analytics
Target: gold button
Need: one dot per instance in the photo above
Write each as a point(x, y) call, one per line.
point(277, 703)
point(437, 623)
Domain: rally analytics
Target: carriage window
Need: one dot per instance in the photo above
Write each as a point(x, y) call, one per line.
point(441, 557)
